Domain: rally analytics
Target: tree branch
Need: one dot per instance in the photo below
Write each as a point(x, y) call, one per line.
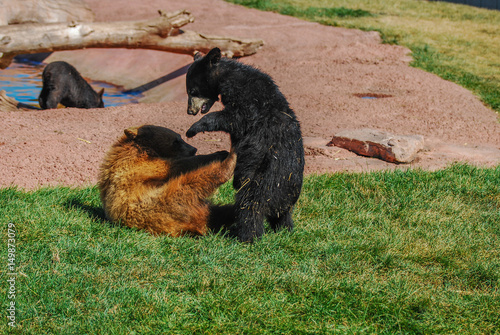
point(8, 104)
point(162, 34)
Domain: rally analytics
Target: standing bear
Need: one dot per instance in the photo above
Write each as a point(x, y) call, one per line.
point(151, 179)
point(62, 84)
point(265, 134)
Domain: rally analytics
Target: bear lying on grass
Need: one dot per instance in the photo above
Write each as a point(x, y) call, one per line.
point(265, 135)
point(151, 180)
point(63, 84)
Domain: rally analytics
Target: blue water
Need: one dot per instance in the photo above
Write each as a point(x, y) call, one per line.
point(23, 82)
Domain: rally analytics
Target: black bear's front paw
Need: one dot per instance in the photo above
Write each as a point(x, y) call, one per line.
point(195, 129)
point(190, 133)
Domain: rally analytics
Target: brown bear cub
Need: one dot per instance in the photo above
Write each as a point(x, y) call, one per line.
point(63, 84)
point(151, 179)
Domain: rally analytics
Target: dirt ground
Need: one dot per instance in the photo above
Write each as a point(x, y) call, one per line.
point(322, 71)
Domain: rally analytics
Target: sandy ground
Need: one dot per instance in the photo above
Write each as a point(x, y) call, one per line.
point(322, 71)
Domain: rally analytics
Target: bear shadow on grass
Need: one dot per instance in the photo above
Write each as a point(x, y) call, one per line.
point(93, 212)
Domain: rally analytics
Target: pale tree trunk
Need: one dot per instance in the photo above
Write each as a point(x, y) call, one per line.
point(162, 34)
point(44, 11)
point(8, 104)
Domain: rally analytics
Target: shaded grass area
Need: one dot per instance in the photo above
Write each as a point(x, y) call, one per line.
point(385, 252)
point(456, 42)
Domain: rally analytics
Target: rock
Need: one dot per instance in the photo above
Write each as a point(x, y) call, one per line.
point(379, 144)
point(44, 11)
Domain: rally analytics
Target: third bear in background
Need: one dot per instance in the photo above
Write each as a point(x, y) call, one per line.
point(62, 84)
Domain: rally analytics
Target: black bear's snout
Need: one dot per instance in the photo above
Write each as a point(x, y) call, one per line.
point(197, 104)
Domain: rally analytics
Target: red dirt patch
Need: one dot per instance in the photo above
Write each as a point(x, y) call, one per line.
point(320, 69)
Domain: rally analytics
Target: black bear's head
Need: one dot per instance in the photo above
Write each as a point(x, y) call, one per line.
point(162, 141)
point(200, 84)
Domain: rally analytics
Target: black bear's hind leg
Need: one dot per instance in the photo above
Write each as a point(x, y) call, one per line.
point(284, 220)
point(220, 217)
point(249, 225)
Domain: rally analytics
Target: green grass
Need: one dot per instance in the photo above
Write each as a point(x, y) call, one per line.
point(388, 252)
point(403, 252)
point(456, 42)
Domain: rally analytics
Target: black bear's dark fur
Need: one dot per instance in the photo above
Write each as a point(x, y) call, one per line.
point(265, 135)
point(63, 84)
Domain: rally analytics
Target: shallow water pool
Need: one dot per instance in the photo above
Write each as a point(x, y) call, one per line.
point(23, 82)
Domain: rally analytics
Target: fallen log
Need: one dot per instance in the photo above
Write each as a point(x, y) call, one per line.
point(162, 34)
point(8, 104)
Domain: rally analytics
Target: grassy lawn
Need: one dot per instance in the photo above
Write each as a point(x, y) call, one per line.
point(408, 252)
point(385, 252)
point(457, 42)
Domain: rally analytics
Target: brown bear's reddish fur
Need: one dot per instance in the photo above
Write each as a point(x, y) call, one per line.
point(137, 190)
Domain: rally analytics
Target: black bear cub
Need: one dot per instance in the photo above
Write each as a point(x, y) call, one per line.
point(63, 84)
point(265, 134)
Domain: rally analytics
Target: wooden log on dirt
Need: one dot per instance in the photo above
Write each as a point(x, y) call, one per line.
point(162, 34)
point(8, 104)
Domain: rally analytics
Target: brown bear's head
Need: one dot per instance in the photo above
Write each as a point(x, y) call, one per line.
point(164, 142)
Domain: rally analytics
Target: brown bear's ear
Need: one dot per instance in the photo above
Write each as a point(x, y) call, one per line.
point(214, 56)
point(131, 132)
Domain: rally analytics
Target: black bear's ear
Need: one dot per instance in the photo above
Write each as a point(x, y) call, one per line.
point(214, 56)
point(101, 92)
point(131, 132)
point(198, 55)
